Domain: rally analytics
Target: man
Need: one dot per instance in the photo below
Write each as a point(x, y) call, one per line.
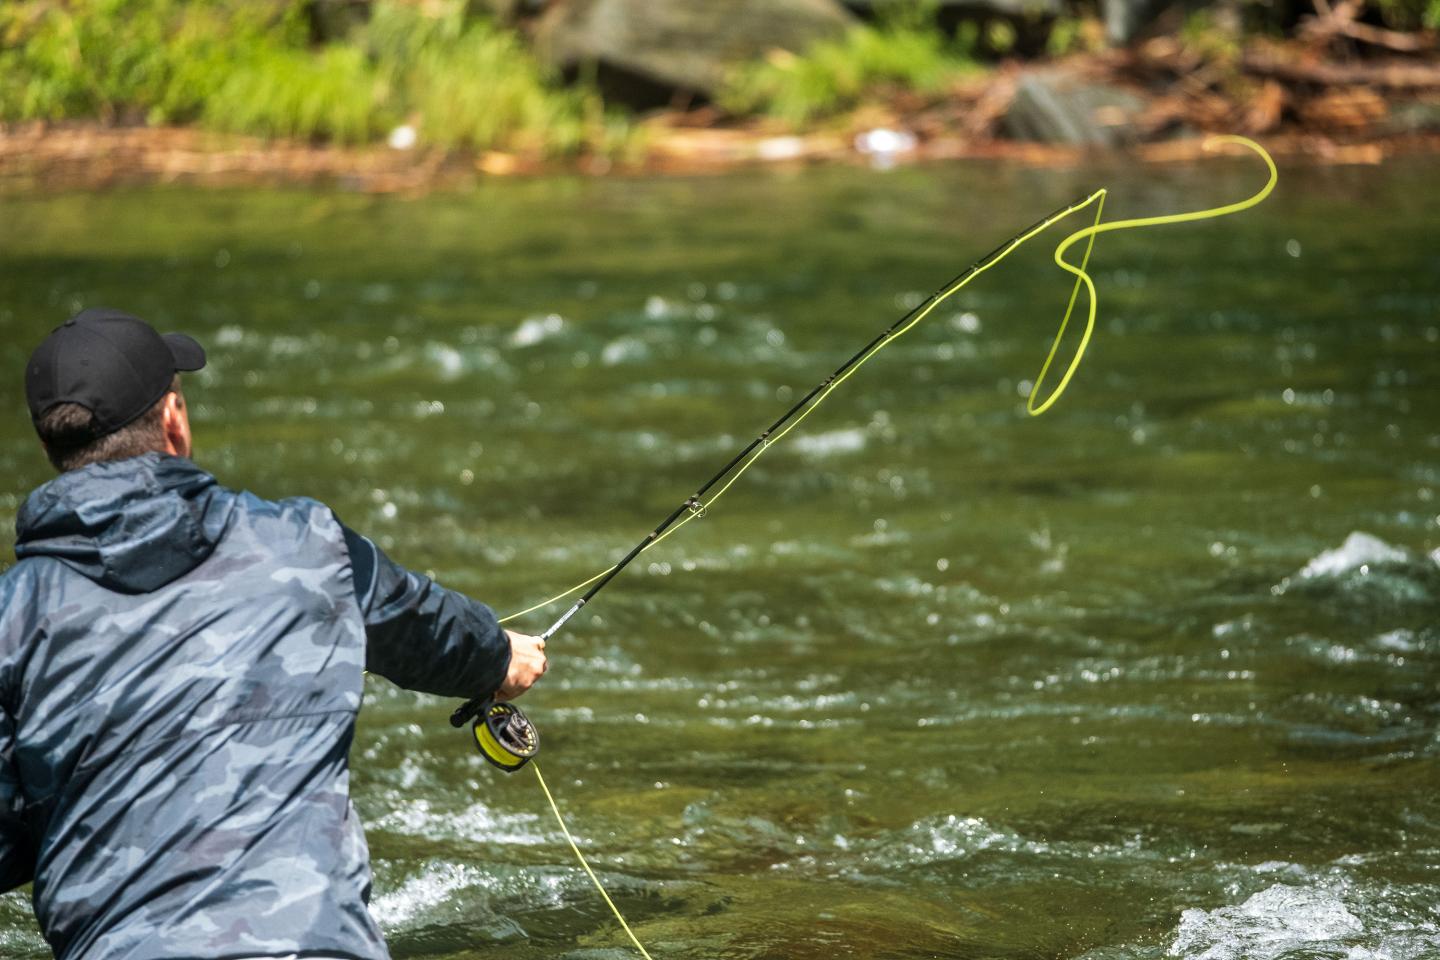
point(180, 671)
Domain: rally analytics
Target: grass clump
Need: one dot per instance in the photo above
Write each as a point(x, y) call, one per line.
point(332, 94)
point(248, 66)
point(128, 60)
point(1076, 34)
point(470, 83)
point(1204, 36)
point(899, 53)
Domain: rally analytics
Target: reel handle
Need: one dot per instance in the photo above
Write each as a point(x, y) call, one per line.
point(468, 710)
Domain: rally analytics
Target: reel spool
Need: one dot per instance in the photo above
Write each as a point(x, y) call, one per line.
point(505, 736)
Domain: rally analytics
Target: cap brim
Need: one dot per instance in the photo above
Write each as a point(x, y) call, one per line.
point(188, 354)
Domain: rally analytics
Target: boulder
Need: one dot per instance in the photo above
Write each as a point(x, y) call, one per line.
point(1060, 106)
point(680, 45)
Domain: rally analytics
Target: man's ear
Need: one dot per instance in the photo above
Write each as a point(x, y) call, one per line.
point(175, 421)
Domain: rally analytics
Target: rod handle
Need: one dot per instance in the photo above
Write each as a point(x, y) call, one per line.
point(471, 708)
point(468, 710)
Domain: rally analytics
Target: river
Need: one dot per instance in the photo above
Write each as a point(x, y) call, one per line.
point(1153, 675)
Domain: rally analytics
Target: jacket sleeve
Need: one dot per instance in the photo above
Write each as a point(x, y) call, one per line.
point(420, 635)
point(17, 856)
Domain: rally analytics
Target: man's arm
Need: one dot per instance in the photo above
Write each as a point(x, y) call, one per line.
point(17, 855)
point(424, 637)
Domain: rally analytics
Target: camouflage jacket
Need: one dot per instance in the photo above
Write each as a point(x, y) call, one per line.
point(180, 671)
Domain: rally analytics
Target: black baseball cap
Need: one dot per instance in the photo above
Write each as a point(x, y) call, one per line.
point(112, 364)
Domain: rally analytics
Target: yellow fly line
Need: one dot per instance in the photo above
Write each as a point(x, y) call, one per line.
point(1033, 405)
point(585, 864)
point(1090, 233)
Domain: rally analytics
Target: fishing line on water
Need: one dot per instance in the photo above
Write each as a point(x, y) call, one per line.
point(585, 865)
point(695, 506)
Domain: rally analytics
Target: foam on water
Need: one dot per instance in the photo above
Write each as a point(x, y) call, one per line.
point(944, 839)
point(478, 823)
point(1397, 641)
point(447, 362)
point(533, 330)
point(432, 361)
point(18, 936)
point(1358, 550)
point(420, 894)
point(1331, 916)
point(1268, 924)
point(626, 349)
point(485, 895)
point(1366, 565)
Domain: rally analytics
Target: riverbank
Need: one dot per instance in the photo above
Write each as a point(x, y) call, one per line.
point(1155, 99)
point(93, 156)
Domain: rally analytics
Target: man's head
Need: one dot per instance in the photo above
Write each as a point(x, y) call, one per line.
point(106, 386)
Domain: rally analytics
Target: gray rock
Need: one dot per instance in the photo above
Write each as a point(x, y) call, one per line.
point(1056, 106)
point(681, 44)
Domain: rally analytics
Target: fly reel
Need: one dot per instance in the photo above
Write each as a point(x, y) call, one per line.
point(505, 736)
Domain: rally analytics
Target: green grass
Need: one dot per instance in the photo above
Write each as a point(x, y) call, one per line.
point(247, 66)
point(470, 83)
point(128, 60)
point(331, 94)
point(836, 75)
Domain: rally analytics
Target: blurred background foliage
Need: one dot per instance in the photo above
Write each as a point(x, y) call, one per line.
point(256, 66)
point(474, 75)
point(905, 48)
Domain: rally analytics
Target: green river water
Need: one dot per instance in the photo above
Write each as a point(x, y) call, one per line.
point(1154, 675)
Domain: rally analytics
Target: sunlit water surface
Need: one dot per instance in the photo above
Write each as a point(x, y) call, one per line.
point(1151, 676)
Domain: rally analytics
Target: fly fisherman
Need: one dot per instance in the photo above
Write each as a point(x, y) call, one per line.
point(180, 671)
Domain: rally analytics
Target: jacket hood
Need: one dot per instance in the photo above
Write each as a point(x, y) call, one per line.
point(130, 525)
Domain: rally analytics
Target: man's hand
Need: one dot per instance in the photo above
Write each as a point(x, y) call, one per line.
point(527, 664)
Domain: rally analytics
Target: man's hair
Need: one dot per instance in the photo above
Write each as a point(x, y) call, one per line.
point(68, 432)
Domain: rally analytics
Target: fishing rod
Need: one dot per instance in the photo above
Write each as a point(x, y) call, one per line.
point(503, 733)
point(506, 736)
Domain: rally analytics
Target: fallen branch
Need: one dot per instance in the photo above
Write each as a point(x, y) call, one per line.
point(1342, 20)
point(1393, 76)
point(1390, 39)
